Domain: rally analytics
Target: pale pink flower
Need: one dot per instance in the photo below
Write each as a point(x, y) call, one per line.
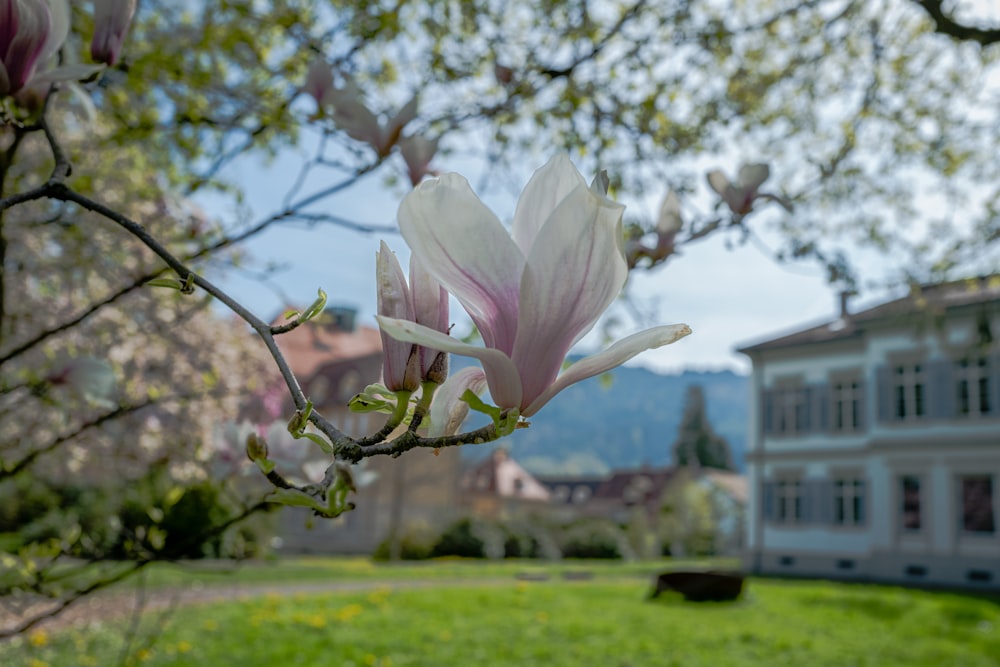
point(532, 293)
point(111, 21)
point(740, 196)
point(418, 153)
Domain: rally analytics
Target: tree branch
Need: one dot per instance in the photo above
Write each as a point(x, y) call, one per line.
point(946, 25)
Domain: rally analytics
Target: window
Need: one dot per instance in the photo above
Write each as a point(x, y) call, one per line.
point(973, 387)
point(790, 410)
point(849, 502)
point(977, 504)
point(789, 498)
point(846, 397)
point(909, 495)
point(908, 391)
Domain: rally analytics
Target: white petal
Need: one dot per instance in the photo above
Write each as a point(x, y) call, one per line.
point(66, 73)
point(465, 246)
point(448, 411)
point(575, 270)
point(547, 187)
point(399, 370)
point(505, 386)
point(58, 29)
point(718, 181)
point(670, 214)
point(610, 358)
point(751, 176)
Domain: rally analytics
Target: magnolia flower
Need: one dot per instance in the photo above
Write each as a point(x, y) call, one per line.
point(424, 301)
point(31, 33)
point(418, 153)
point(739, 196)
point(319, 82)
point(668, 225)
point(532, 293)
point(89, 378)
point(349, 112)
point(111, 21)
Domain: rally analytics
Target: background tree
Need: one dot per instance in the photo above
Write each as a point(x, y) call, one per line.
point(697, 445)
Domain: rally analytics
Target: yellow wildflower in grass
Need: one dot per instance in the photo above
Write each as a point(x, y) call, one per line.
point(38, 638)
point(348, 613)
point(183, 647)
point(88, 661)
point(143, 654)
point(210, 624)
point(542, 617)
point(35, 662)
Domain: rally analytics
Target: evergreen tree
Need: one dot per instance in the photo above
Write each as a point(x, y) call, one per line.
point(697, 444)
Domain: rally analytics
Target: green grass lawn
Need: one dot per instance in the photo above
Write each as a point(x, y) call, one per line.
point(554, 623)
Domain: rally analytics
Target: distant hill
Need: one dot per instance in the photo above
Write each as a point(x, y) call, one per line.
point(596, 426)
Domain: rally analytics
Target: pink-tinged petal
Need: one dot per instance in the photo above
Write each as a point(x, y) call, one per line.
point(751, 176)
point(9, 24)
point(353, 117)
point(547, 187)
point(4, 80)
point(575, 270)
point(111, 21)
point(501, 375)
point(395, 126)
point(400, 365)
point(418, 152)
point(58, 29)
point(319, 81)
point(612, 357)
point(448, 410)
point(430, 308)
point(24, 53)
point(465, 246)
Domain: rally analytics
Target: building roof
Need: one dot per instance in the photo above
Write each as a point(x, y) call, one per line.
point(635, 487)
point(929, 300)
point(502, 476)
point(326, 340)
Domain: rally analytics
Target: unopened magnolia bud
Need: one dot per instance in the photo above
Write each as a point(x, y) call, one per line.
point(111, 21)
point(256, 448)
point(438, 371)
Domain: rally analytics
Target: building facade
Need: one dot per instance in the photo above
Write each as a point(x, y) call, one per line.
point(875, 443)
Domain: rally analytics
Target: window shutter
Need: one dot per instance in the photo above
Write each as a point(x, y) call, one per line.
point(941, 389)
point(883, 395)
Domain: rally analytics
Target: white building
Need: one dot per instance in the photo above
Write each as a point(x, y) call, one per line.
point(875, 443)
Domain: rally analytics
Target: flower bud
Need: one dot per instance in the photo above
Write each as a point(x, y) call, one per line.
point(400, 361)
point(111, 21)
point(256, 447)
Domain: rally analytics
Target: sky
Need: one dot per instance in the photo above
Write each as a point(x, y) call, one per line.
point(729, 297)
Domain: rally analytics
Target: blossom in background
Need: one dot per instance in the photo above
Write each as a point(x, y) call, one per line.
point(346, 107)
point(532, 293)
point(740, 196)
point(418, 153)
point(668, 225)
point(88, 378)
point(111, 21)
point(424, 301)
